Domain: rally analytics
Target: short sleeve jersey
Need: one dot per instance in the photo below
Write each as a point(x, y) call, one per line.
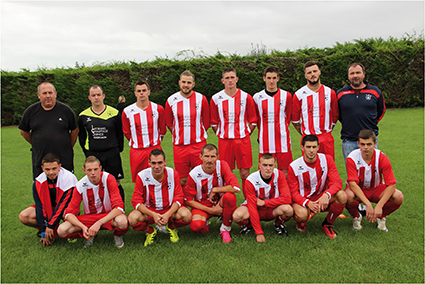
point(309, 181)
point(274, 116)
point(189, 118)
point(50, 131)
point(144, 128)
point(369, 176)
point(316, 111)
point(157, 195)
point(200, 183)
point(97, 198)
point(231, 115)
point(100, 132)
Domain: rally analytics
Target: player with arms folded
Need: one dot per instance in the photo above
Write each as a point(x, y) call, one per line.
point(158, 199)
point(210, 192)
point(267, 198)
point(367, 168)
point(315, 186)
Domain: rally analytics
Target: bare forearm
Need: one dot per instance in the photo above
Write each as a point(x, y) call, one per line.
point(26, 135)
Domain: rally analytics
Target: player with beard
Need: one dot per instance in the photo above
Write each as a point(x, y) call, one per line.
point(315, 109)
point(187, 116)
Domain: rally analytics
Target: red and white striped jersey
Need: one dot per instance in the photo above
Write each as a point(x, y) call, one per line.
point(232, 114)
point(370, 175)
point(309, 181)
point(144, 128)
point(274, 194)
point(157, 195)
point(274, 116)
point(199, 183)
point(189, 117)
point(97, 198)
point(318, 111)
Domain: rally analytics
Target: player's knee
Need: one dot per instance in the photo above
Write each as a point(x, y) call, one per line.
point(238, 215)
point(185, 214)
point(350, 195)
point(398, 196)
point(62, 232)
point(229, 199)
point(197, 225)
point(121, 221)
point(341, 197)
point(23, 217)
point(287, 210)
point(301, 214)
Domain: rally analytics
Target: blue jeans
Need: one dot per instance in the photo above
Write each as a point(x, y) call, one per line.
point(348, 146)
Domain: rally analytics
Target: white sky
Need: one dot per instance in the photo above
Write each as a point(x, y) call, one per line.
point(49, 34)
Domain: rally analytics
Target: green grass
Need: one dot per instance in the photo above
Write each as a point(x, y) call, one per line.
point(365, 256)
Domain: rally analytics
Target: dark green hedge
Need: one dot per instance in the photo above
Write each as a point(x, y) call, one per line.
point(396, 66)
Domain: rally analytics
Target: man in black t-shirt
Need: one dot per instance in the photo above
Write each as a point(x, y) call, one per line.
point(101, 134)
point(49, 126)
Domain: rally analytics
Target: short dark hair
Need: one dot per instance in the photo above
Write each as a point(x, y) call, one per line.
point(310, 63)
point(367, 134)
point(156, 152)
point(95, 87)
point(266, 156)
point(271, 69)
point(356, 64)
point(310, 138)
point(227, 70)
point(50, 158)
point(91, 159)
point(209, 147)
point(187, 73)
point(142, 82)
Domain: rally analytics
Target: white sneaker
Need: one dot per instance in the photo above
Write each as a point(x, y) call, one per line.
point(118, 241)
point(161, 229)
point(357, 223)
point(381, 224)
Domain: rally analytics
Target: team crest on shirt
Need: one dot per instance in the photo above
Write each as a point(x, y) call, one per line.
point(368, 97)
point(281, 103)
point(242, 103)
point(154, 114)
point(169, 185)
point(326, 97)
point(197, 106)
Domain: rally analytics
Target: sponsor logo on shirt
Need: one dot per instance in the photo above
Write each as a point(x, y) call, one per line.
point(88, 119)
point(60, 118)
point(300, 168)
point(368, 97)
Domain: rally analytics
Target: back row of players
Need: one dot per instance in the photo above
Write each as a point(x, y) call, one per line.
point(313, 179)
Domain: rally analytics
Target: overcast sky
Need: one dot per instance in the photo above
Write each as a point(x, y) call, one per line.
point(49, 34)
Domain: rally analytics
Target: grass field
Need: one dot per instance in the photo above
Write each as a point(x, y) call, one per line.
point(365, 256)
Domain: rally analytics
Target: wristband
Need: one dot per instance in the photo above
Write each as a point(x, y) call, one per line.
point(43, 235)
point(100, 222)
point(330, 196)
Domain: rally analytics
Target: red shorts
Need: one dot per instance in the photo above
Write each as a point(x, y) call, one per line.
point(186, 157)
point(283, 159)
point(236, 149)
point(139, 160)
point(201, 212)
point(265, 213)
point(326, 144)
point(373, 193)
point(89, 219)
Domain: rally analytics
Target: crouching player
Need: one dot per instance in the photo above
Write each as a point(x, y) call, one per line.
point(315, 186)
point(210, 191)
point(365, 168)
point(158, 199)
point(103, 207)
point(267, 198)
point(52, 192)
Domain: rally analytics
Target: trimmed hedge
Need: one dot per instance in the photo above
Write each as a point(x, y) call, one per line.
point(396, 66)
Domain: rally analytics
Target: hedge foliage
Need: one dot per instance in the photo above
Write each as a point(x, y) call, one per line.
point(396, 66)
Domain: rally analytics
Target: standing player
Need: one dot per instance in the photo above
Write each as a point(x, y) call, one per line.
point(365, 169)
point(187, 118)
point(315, 186)
point(210, 192)
point(267, 198)
point(315, 109)
point(103, 207)
point(101, 134)
point(233, 119)
point(158, 199)
point(49, 126)
point(143, 124)
point(273, 107)
point(361, 106)
point(52, 191)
